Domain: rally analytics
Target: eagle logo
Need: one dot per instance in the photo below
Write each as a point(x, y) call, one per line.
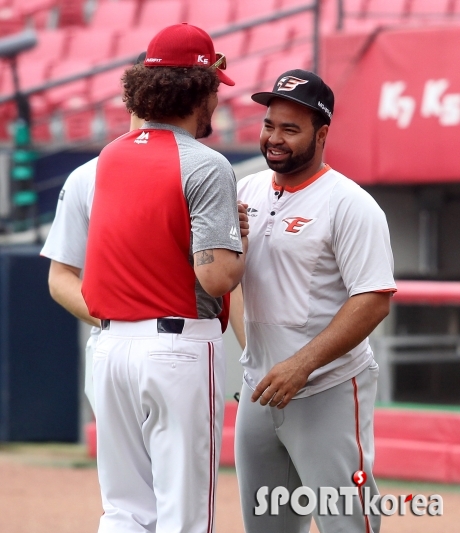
point(289, 83)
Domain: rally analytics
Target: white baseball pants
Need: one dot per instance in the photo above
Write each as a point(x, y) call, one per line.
point(159, 401)
point(89, 351)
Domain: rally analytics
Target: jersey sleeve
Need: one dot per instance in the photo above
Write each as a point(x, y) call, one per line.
point(66, 241)
point(360, 240)
point(211, 195)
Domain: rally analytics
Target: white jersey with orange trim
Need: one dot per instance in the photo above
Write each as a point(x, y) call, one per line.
point(311, 247)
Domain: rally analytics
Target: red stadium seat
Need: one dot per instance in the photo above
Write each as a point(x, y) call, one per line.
point(274, 35)
point(209, 15)
point(248, 118)
point(115, 15)
point(78, 119)
point(79, 88)
point(301, 27)
point(246, 74)
point(157, 14)
point(396, 9)
point(355, 8)
point(231, 45)
point(11, 21)
point(107, 85)
point(41, 131)
point(276, 64)
point(71, 13)
point(52, 45)
point(364, 25)
point(134, 42)
point(97, 44)
point(35, 13)
point(7, 115)
point(30, 75)
point(329, 17)
point(116, 118)
point(246, 10)
point(429, 9)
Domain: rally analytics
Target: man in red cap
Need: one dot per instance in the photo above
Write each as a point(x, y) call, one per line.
point(164, 247)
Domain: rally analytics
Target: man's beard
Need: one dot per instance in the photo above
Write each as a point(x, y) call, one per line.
point(203, 127)
point(294, 163)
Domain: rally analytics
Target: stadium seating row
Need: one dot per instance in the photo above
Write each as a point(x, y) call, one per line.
point(76, 35)
point(151, 14)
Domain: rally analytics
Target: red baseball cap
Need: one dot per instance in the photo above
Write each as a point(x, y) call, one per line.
point(184, 45)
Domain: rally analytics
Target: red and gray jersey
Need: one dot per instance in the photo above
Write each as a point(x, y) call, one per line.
point(160, 197)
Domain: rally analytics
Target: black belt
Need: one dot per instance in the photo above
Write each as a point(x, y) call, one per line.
point(164, 325)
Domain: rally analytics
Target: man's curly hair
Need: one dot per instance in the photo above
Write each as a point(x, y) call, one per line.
point(157, 93)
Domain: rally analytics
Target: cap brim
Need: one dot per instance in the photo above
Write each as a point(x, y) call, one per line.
point(224, 78)
point(265, 97)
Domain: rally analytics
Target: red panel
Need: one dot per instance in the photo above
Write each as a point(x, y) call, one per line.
point(350, 139)
point(91, 444)
point(227, 454)
point(454, 464)
point(428, 426)
point(230, 411)
point(411, 460)
point(428, 292)
point(397, 117)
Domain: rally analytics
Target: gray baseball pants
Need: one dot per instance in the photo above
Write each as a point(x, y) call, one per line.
point(317, 441)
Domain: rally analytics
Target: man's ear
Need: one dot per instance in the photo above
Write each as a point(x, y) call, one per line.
point(321, 134)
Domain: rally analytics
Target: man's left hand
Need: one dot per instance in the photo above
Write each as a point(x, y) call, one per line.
point(243, 218)
point(282, 383)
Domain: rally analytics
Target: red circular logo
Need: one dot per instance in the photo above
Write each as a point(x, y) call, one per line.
point(359, 478)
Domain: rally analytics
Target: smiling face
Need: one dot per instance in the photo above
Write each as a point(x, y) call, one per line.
point(290, 143)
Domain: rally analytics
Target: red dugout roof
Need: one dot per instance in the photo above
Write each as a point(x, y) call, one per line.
point(397, 113)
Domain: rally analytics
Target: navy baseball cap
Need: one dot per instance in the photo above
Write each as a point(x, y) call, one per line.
point(303, 87)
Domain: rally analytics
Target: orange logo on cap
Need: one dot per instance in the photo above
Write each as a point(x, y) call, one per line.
point(289, 83)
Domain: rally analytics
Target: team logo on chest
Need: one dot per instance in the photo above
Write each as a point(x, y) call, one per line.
point(296, 225)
